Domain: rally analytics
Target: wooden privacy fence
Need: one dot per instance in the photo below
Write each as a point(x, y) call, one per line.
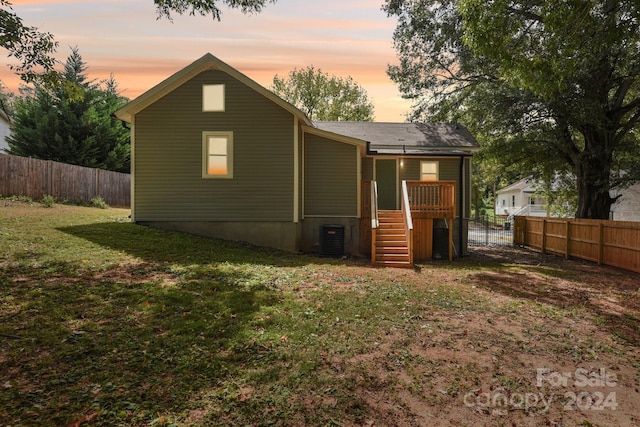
point(23, 176)
point(614, 243)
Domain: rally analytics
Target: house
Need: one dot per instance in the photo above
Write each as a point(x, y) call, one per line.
point(217, 154)
point(519, 198)
point(627, 207)
point(5, 130)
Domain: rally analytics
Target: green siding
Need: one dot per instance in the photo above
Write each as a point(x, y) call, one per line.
point(168, 157)
point(410, 169)
point(330, 178)
point(449, 168)
point(450, 171)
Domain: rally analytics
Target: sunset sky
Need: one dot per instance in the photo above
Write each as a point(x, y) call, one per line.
point(123, 37)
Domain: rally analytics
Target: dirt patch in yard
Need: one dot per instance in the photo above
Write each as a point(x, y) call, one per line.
point(557, 345)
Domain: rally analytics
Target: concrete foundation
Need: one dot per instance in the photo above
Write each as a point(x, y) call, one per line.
point(288, 236)
point(279, 235)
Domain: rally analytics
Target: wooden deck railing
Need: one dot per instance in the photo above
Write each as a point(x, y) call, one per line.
point(432, 199)
point(408, 222)
point(374, 219)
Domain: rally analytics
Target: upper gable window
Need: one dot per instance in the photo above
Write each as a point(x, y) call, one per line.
point(212, 98)
point(428, 171)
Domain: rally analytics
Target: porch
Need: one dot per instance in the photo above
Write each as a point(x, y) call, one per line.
point(397, 238)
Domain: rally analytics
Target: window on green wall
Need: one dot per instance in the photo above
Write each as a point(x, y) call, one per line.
point(428, 171)
point(217, 154)
point(213, 98)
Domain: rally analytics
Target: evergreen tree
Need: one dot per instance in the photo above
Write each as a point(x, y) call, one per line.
point(72, 121)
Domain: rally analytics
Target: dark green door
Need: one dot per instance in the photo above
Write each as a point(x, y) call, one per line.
point(386, 180)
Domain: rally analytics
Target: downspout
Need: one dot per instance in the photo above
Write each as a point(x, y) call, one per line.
point(461, 204)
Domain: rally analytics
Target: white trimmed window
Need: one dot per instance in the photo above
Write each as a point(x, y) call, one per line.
point(213, 98)
point(428, 171)
point(217, 154)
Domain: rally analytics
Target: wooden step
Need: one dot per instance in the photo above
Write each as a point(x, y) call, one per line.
point(391, 228)
point(392, 250)
point(396, 227)
point(394, 264)
point(390, 232)
point(392, 257)
point(391, 241)
point(391, 225)
point(391, 217)
point(391, 238)
point(389, 214)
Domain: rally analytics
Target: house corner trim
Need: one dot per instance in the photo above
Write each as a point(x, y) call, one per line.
point(296, 171)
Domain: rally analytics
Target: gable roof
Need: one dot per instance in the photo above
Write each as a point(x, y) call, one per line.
point(525, 185)
point(345, 139)
point(377, 137)
point(205, 63)
point(407, 138)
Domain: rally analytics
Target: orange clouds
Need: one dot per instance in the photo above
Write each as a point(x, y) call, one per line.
point(125, 38)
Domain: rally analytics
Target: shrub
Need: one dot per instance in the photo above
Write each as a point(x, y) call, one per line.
point(98, 202)
point(48, 201)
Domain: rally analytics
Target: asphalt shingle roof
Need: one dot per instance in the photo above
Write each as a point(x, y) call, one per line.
point(409, 138)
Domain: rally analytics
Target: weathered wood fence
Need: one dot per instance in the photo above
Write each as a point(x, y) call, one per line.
point(23, 176)
point(614, 243)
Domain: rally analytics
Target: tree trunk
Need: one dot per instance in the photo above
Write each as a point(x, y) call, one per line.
point(593, 173)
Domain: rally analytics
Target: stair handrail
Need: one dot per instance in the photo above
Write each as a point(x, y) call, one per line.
point(374, 219)
point(374, 204)
point(408, 222)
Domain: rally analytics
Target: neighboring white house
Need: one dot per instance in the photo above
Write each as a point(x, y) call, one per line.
point(520, 199)
point(5, 130)
point(627, 208)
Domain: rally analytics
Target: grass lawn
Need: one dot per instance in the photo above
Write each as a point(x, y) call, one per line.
point(106, 323)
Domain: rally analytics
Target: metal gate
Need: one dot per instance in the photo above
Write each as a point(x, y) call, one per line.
point(490, 231)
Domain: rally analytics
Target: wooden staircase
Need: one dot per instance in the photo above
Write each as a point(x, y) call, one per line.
point(391, 248)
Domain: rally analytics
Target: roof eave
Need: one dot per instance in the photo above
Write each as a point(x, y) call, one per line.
point(335, 136)
point(421, 153)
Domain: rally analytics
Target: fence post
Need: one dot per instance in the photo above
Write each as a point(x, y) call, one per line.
point(544, 236)
point(600, 243)
point(567, 231)
point(49, 168)
point(486, 230)
point(97, 184)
